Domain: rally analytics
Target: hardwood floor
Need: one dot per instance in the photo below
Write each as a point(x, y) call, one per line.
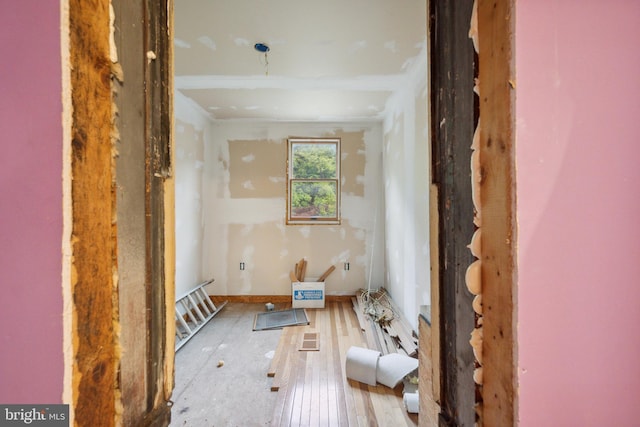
point(312, 387)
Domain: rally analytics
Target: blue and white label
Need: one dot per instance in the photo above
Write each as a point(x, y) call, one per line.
point(310, 294)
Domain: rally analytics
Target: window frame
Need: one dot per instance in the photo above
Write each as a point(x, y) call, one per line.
point(300, 220)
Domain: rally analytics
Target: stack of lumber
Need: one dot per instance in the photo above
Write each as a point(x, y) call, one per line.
point(300, 271)
point(384, 326)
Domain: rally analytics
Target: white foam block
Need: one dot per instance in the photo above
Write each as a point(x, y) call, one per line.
point(361, 365)
point(411, 402)
point(393, 367)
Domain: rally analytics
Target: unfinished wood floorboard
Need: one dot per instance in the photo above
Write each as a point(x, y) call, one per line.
point(313, 390)
point(278, 355)
point(289, 338)
point(336, 391)
point(324, 412)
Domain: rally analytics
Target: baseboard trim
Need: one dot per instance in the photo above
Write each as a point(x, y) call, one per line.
point(257, 299)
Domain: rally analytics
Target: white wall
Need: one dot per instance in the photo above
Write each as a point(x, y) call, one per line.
point(192, 130)
point(406, 161)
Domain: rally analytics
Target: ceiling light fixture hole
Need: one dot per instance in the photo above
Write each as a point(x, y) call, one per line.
point(261, 47)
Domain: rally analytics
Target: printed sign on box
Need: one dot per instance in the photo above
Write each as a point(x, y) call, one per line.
point(307, 294)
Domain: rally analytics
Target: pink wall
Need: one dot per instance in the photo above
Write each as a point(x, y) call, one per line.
point(578, 183)
point(31, 359)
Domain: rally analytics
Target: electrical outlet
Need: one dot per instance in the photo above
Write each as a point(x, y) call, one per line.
point(346, 266)
point(242, 266)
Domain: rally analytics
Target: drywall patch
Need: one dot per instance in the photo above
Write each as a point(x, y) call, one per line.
point(208, 43)
point(181, 43)
point(359, 45)
point(253, 246)
point(241, 42)
point(253, 165)
point(391, 45)
point(305, 231)
point(352, 146)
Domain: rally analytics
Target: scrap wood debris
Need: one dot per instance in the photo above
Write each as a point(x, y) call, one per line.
point(300, 271)
point(377, 305)
point(384, 326)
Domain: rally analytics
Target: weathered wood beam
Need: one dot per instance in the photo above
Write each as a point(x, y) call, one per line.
point(93, 245)
point(497, 92)
point(453, 121)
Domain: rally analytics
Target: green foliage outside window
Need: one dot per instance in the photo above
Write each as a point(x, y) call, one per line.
point(314, 186)
point(314, 161)
point(314, 199)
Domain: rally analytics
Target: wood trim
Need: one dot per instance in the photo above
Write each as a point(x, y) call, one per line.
point(429, 409)
point(263, 299)
point(159, 171)
point(93, 241)
point(131, 204)
point(434, 342)
point(497, 196)
point(169, 217)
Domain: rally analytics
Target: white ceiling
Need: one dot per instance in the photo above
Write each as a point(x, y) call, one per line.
point(330, 60)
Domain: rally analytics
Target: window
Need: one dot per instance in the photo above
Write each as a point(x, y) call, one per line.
point(313, 178)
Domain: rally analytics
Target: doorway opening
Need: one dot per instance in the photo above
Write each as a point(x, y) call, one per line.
point(96, 379)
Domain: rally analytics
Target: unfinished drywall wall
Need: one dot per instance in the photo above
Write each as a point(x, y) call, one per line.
point(577, 106)
point(406, 187)
point(245, 210)
point(31, 355)
point(191, 132)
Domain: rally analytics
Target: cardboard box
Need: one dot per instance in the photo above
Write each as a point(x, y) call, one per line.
point(307, 294)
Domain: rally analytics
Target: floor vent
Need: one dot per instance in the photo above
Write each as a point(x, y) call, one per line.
point(310, 342)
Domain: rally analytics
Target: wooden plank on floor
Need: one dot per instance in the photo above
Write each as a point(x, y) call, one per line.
point(342, 325)
point(324, 414)
point(365, 325)
point(336, 390)
point(428, 407)
point(380, 406)
point(308, 409)
point(282, 369)
point(279, 354)
point(298, 389)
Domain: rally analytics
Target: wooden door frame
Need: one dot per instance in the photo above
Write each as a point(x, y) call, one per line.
point(497, 88)
point(453, 67)
point(93, 320)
